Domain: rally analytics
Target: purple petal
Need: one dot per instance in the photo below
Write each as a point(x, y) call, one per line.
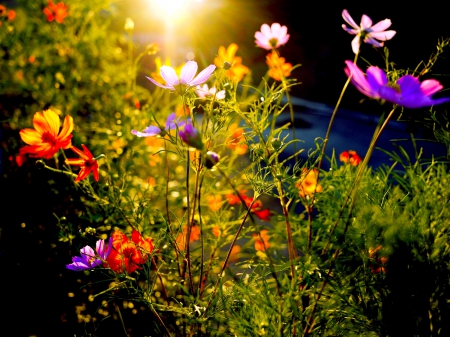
point(150, 131)
point(169, 75)
point(103, 251)
point(366, 22)
point(188, 72)
point(383, 36)
point(346, 16)
point(358, 79)
point(430, 87)
point(373, 42)
point(170, 122)
point(380, 26)
point(203, 76)
point(376, 78)
point(159, 84)
point(410, 87)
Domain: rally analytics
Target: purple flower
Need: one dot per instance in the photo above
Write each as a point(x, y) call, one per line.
point(89, 259)
point(191, 136)
point(210, 159)
point(407, 92)
point(271, 37)
point(186, 80)
point(171, 124)
point(366, 32)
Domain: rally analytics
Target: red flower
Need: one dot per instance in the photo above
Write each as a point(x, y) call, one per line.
point(263, 214)
point(264, 244)
point(350, 157)
point(129, 255)
point(87, 163)
point(44, 141)
point(56, 12)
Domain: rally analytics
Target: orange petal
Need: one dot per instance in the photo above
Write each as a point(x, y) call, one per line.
point(84, 172)
point(87, 152)
point(66, 129)
point(40, 123)
point(31, 136)
point(75, 162)
point(80, 153)
point(53, 122)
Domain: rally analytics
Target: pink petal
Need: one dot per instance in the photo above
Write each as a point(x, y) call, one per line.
point(263, 45)
point(188, 72)
point(350, 30)
point(203, 76)
point(358, 79)
point(276, 28)
point(346, 16)
point(159, 84)
point(261, 39)
point(366, 22)
point(380, 26)
point(383, 36)
point(169, 75)
point(430, 87)
point(265, 30)
point(283, 40)
point(356, 42)
point(376, 77)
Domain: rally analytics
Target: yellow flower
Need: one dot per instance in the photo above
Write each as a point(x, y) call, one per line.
point(237, 70)
point(307, 184)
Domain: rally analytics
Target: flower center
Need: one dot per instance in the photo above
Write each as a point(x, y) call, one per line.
point(49, 138)
point(273, 42)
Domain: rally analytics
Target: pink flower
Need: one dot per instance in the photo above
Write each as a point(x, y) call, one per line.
point(186, 79)
point(271, 37)
point(366, 32)
point(88, 259)
point(204, 91)
point(407, 92)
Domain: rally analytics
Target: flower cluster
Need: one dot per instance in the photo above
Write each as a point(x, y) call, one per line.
point(89, 259)
point(350, 157)
point(6, 14)
point(263, 214)
point(56, 12)
point(307, 185)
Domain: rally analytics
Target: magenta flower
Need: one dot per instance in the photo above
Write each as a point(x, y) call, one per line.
point(89, 259)
point(210, 159)
point(171, 124)
point(191, 136)
point(366, 32)
point(407, 92)
point(186, 80)
point(271, 37)
point(204, 91)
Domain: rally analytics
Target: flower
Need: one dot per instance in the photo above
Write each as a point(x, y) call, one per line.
point(151, 131)
point(350, 157)
point(232, 64)
point(186, 79)
point(129, 256)
point(156, 75)
point(210, 159)
point(194, 236)
point(191, 136)
point(380, 261)
point(44, 141)
point(407, 92)
point(236, 142)
point(261, 240)
point(263, 214)
point(366, 32)
point(56, 12)
point(87, 163)
point(271, 37)
point(214, 202)
point(278, 69)
point(204, 91)
point(307, 184)
point(89, 259)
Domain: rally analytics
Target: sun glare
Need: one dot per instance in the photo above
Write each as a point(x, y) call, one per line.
point(171, 6)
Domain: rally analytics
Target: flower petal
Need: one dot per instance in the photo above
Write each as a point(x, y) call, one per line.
point(150, 131)
point(31, 136)
point(40, 123)
point(356, 43)
point(366, 22)
point(169, 75)
point(203, 76)
point(159, 84)
point(383, 36)
point(430, 87)
point(188, 72)
point(53, 121)
point(346, 16)
point(66, 129)
point(380, 26)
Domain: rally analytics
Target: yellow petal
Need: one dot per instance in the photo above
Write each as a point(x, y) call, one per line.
point(66, 129)
point(31, 136)
point(40, 123)
point(53, 121)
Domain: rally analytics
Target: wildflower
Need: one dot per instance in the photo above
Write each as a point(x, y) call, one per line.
point(262, 214)
point(261, 240)
point(44, 141)
point(217, 232)
point(271, 37)
point(214, 202)
point(156, 75)
point(194, 236)
point(204, 91)
point(381, 261)
point(407, 92)
point(350, 157)
point(151, 131)
point(307, 184)
point(87, 163)
point(210, 159)
point(278, 69)
point(89, 259)
point(227, 59)
point(56, 12)
point(186, 79)
point(236, 142)
point(129, 256)
point(366, 32)
point(191, 136)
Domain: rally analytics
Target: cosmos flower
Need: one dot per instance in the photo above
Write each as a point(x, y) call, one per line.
point(271, 37)
point(261, 240)
point(307, 184)
point(89, 259)
point(407, 92)
point(151, 131)
point(236, 141)
point(263, 214)
point(234, 68)
point(56, 12)
point(204, 91)
point(374, 35)
point(182, 83)
point(86, 162)
point(46, 139)
point(191, 136)
point(350, 157)
point(156, 75)
point(278, 68)
point(194, 236)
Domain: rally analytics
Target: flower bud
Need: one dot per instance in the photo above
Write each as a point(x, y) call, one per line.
point(210, 159)
point(191, 136)
point(277, 143)
point(226, 65)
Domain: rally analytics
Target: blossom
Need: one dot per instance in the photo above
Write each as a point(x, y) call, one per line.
point(350, 157)
point(214, 202)
point(88, 258)
point(186, 79)
point(44, 141)
point(407, 92)
point(56, 12)
point(210, 159)
point(261, 240)
point(278, 68)
point(204, 91)
point(194, 236)
point(156, 75)
point(10, 14)
point(380, 260)
point(232, 64)
point(263, 214)
point(271, 37)
point(307, 184)
point(87, 162)
point(366, 32)
point(191, 136)
point(129, 256)
point(171, 124)
point(236, 142)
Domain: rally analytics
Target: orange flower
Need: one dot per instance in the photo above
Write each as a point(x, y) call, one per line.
point(237, 70)
point(263, 214)
point(236, 142)
point(129, 255)
point(87, 163)
point(56, 12)
point(217, 231)
point(264, 244)
point(351, 157)
point(195, 236)
point(381, 261)
point(278, 69)
point(44, 141)
point(307, 184)
point(214, 202)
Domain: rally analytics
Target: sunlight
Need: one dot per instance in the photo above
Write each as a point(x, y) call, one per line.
point(171, 6)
